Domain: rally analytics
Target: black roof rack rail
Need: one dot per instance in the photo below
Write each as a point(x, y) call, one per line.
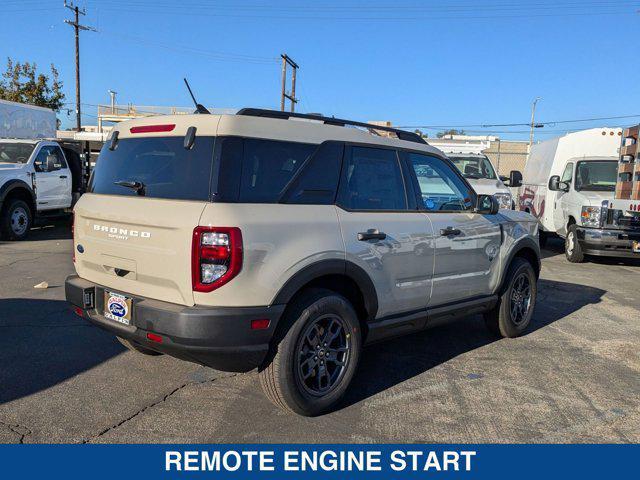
point(260, 112)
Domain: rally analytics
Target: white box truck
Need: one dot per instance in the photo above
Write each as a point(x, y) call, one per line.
point(39, 175)
point(569, 185)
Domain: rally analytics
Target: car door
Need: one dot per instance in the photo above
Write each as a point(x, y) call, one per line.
point(53, 187)
point(383, 232)
point(467, 244)
point(561, 201)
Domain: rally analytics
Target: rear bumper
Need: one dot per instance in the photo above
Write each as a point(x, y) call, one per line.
point(220, 337)
point(610, 243)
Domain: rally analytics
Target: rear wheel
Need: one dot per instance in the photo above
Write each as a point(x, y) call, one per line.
point(15, 220)
point(315, 360)
point(572, 247)
point(512, 315)
point(136, 347)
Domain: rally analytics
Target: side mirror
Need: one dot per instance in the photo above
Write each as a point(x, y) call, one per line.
point(52, 163)
point(503, 178)
point(487, 205)
point(515, 178)
point(556, 185)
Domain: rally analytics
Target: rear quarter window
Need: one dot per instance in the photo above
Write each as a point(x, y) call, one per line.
point(256, 170)
point(162, 164)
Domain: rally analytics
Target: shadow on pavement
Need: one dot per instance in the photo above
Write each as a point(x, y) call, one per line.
point(59, 229)
point(553, 247)
point(42, 343)
point(387, 364)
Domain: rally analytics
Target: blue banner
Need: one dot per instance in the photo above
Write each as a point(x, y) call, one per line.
point(319, 461)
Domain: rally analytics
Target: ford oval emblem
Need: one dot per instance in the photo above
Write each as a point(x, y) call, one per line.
point(80, 248)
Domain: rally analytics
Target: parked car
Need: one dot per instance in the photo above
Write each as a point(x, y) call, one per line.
point(286, 242)
point(569, 183)
point(479, 172)
point(38, 178)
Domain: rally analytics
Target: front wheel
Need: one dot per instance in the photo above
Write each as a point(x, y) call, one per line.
point(15, 220)
point(314, 361)
point(572, 247)
point(512, 315)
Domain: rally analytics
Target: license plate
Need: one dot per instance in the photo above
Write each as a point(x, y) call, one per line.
point(117, 307)
point(636, 246)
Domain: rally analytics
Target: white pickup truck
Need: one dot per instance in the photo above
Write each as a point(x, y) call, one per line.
point(36, 179)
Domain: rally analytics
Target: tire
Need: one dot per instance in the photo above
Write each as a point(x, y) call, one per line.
point(572, 248)
point(15, 220)
point(136, 347)
point(292, 377)
point(507, 319)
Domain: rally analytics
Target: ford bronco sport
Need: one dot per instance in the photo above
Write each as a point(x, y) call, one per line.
point(287, 242)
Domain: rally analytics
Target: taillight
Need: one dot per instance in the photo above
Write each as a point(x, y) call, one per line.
point(216, 257)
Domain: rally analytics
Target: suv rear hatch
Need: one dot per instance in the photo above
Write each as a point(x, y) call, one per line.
point(134, 229)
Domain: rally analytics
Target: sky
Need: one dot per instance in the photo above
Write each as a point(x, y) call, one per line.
point(432, 64)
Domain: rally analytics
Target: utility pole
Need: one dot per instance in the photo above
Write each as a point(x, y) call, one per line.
point(77, 27)
point(533, 115)
point(286, 60)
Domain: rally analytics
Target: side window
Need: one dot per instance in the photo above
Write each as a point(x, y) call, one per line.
point(268, 166)
point(41, 159)
point(318, 180)
point(441, 189)
point(372, 180)
point(567, 175)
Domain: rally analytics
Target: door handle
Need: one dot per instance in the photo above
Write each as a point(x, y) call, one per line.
point(445, 232)
point(63, 176)
point(371, 234)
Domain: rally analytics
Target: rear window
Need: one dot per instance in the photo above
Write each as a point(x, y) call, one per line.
point(161, 165)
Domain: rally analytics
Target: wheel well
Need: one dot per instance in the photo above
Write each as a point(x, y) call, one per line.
point(23, 194)
point(345, 286)
point(570, 222)
point(530, 256)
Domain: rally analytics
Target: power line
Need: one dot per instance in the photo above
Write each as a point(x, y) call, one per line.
point(214, 55)
point(524, 124)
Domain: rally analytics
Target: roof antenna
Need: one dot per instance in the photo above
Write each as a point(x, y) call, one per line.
point(199, 107)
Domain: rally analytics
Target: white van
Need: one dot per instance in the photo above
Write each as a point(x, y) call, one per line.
point(569, 184)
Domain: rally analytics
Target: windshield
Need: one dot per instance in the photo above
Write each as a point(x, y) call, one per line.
point(599, 176)
point(14, 152)
point(473, 166)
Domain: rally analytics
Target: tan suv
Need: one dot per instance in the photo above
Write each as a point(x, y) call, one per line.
point(286, 242)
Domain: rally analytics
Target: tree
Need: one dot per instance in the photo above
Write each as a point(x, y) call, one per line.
point(421, 133)
point(451, 131)
point(22, 83)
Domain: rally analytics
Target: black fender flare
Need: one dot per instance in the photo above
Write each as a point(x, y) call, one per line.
point(14, 184)
point(331, 267)
point(526, 242)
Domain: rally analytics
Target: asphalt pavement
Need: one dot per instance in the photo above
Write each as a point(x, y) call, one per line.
point(574, 376)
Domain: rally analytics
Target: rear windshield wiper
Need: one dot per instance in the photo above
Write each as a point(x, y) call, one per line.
point(133, 185)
